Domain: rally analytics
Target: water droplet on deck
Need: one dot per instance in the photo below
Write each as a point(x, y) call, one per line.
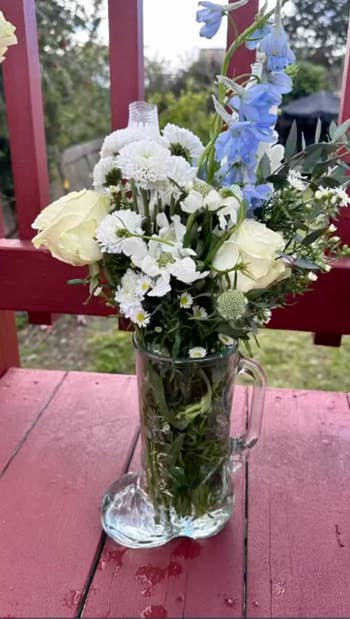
point(256, 604)
point(112, 556)
point(326, 441)
point(174, 569)
point(228, 601)
point(180, 598)
point(278, 588)
point(154, 611)
point(148, 576)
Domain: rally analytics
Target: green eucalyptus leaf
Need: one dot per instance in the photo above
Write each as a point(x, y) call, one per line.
point(332, 129)
point(302, 263)
point(265, 166)
point(313, 236)
point(318, 131)
point(341, 131)
point(292, 140)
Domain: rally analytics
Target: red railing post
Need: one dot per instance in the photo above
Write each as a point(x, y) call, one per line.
point(243, 57)
point(126, 57)
point(25, 117)
point(344, 114)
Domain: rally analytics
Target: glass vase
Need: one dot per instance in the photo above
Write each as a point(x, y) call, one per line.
point(185, 485)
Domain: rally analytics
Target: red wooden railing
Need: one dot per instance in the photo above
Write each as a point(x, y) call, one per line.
point(30, 279)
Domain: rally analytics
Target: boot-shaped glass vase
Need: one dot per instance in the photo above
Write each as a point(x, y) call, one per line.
point(185, 486)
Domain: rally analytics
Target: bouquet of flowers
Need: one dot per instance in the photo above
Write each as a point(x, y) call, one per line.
point(195, 245)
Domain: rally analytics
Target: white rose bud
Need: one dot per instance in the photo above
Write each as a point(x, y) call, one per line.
point(67, 227)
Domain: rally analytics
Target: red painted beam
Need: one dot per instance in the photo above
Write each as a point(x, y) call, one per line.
point(9, 354)
point(126, 57)
point(32, 280)
point(24, 107)
point(243, 57)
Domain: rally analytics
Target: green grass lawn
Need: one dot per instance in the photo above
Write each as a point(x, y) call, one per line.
point(289, 358)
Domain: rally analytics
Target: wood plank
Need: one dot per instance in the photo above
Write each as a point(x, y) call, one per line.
point(50, 494)
point(24, 396)
point(25, 116)
point(125, 57)
point(299, 508)
point(185, 578)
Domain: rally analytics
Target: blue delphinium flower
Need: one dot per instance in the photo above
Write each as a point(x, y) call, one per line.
point(211, 15)
point(280, 82)
point(255, 103)
point(256, 195)
point(276, 47)
point(257, 35)
point(236, 150)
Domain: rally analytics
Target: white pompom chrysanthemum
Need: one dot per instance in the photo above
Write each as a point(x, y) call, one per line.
point(183, 139)
point(115, 141)
point(101, 169)
point(146, 162)
point(181, 172)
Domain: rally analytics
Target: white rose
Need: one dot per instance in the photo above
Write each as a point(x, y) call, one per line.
point(259, 248)
point(67, 227)
point(227, 256)
point(7, 36)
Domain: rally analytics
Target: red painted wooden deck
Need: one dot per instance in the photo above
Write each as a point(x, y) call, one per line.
point(65, 436)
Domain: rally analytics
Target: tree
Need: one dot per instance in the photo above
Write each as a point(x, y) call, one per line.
point(318, 30)
point(307, 79)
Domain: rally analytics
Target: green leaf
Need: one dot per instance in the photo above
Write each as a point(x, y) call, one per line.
point(292, 140)
point(302, 263)
point(265, 166)
point(318, 131)
point(313, 236)
point(77, 282)
point(341, 130)
point(332, 129)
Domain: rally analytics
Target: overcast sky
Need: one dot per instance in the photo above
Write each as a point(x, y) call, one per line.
point(171, 31)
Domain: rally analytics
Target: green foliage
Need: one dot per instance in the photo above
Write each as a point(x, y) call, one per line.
point(308, 77)
point(74, 75)
point(318, 30)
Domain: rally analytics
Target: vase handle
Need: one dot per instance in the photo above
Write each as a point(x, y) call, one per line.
point(243, 444)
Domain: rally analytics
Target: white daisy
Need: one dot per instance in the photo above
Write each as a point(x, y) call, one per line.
point(199, 312)
point(180, 138)
point(116, 140)
point(143, 284)
point(226, 340)
point(341, 196)
point(296, 180)
point(101, 169)
point(198, 352)
point(186, 300)
point(115, 231)
point(140, 317)
point(146, 162)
